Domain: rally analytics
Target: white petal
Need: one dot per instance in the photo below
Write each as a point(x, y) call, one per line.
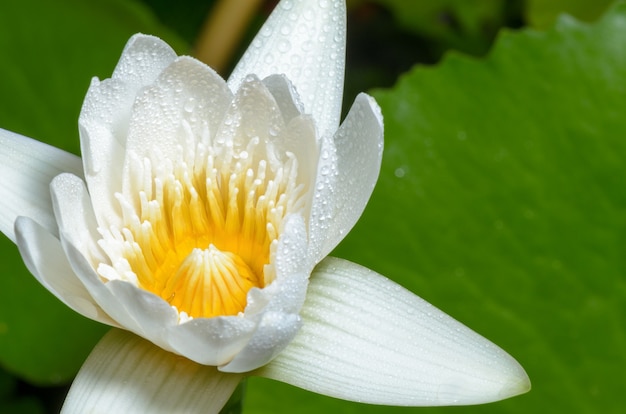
point(274, 331)
point(211, 341)
point(304, 40)
point(44, 257)
point(126, 374)
point(285, 94)
point(323, 198)
point(347, 174)
point(144, 57)
point(133, 309)
point(27, 167)
point(75, 216)
point(289, 259)
point(299, 138)
point(97, 289)
point(253, 114)
point(367, 339)
point(151, 314)
point(105, 116)
point(187, 100)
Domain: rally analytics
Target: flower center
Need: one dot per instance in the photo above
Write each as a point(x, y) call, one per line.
point(202, 230)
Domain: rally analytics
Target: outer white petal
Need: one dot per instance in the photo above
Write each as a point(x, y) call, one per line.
point(367, 339)
point(347, 173)
point(304, 40)
point(126, 374)
point(26, 169)
point(44, 257)
point(105, 116)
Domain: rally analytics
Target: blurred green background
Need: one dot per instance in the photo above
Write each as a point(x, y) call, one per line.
point(501, 198)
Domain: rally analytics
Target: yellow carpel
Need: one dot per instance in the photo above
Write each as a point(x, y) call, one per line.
point(210, 282)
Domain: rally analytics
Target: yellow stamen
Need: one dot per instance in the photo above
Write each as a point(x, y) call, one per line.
point(201, 236)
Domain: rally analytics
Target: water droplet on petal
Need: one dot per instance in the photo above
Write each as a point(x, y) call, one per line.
point(285, 29)
point(189, 105)
point(284, 45)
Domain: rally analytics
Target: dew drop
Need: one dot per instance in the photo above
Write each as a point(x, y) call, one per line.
point(284, 45)
point(266, 31)
point(285, 29)
point(296, 59)
point(189, 105)
point(399, 172)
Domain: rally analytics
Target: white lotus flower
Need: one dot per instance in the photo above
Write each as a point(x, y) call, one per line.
point(199, 218)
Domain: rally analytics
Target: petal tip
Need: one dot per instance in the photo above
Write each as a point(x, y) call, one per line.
point(516, 385)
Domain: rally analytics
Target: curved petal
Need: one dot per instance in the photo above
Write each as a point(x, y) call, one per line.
point(306, 41)
point(299, 138)
point(96, 288)
point(105, 117)
point(185, 103)
point(274, 331)
point(346, 176)
point(75, 216)
point(45, 259)
point(322, 200)
point(151, 314)
point(133, 309)
point(253, 115)
point(26, 169)
point(285, 94)
point(126, 374)
point(367, 339)
point(211, 341)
